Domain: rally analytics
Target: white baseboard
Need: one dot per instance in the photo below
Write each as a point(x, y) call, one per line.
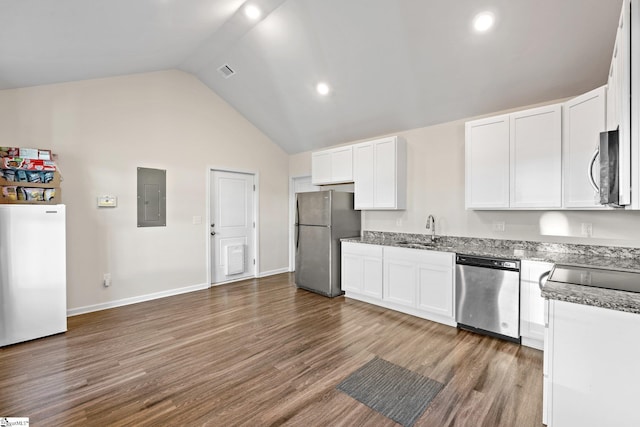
point(533, 343)
point(260, 275)
point(274, 272)
point(134, 300)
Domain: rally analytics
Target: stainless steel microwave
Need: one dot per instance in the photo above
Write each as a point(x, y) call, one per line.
point(608, 152)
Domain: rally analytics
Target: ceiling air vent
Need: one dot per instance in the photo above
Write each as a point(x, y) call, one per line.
point(226, 71)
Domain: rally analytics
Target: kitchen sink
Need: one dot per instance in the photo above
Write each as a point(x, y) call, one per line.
point(416, 245)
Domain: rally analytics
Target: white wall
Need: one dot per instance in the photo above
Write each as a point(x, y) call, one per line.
point(102, 131)
point(436, 186)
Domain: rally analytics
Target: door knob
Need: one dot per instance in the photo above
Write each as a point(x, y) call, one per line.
point(213, 233)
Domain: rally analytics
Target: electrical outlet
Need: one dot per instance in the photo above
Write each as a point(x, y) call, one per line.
point(587, 229)
point(498, 226)
point(106, 280)
point(399, 222)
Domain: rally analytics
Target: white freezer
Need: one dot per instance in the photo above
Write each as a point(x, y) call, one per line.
point(33, 277)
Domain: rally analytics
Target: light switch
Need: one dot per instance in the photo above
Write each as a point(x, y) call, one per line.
point(107, 201)
point(197, 220)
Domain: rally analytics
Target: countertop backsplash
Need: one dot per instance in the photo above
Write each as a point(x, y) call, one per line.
point(476, 243)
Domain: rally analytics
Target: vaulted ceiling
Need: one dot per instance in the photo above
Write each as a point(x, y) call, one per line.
point(391, 64)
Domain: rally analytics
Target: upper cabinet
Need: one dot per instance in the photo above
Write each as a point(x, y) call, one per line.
point(584, 119)
point(619, 116)
point(487, 163)
point(536, 152)
point(380, 174)
point(333, 166)
point(377, 168)
point(514, 160)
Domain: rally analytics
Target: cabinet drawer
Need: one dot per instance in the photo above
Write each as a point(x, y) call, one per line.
point(362, 249)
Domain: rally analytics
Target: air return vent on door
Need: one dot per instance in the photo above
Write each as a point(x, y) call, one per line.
point(235, 259)
point(226, 71)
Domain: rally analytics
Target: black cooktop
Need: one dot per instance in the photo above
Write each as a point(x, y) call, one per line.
point(597, 277)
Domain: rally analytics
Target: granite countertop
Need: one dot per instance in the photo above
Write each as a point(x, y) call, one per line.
point(605, 257)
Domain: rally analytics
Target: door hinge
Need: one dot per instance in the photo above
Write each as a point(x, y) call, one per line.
point(254, 224)
point(254, 261)
point(254, 187)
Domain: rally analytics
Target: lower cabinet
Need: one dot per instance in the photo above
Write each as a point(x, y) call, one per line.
point(413, 281)
point(593, 367)
point(532, 319)
point(362, 269)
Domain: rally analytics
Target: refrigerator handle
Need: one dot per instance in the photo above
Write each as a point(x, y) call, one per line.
point(297, 224)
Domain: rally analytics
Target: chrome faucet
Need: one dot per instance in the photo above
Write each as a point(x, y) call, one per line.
point(431, 225)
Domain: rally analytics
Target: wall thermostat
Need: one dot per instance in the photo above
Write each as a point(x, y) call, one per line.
point(107, 201)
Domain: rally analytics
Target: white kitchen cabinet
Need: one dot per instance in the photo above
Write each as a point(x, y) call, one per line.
point(380, 174)
point(546, 383)
point(535, 157)
point(362, 269)
point(532, 320)
point(487, 163)
point(619, 104)
point(333, 166)
point(514, 160)
point(413, 281)
point(621, 72)
point(634, 120)
point(584, 119)
point(420, 280)
point(594, 371)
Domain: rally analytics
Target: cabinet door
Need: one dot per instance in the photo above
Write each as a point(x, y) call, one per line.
point(487, 163)
point(623, 103)
point(342, 164)
point(352, 272)
point(619, 106)
point(321, 168)
point(363, 175)
point(385, 174)
point(532, 320)
point(362, 269)
point(435, 283)
point(372, 277)
point(584, 119)
point(536, 170)
point(399, 276)
point(400, 281)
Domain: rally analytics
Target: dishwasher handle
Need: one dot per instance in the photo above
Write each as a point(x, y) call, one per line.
point(542, 277)
point(487, 262)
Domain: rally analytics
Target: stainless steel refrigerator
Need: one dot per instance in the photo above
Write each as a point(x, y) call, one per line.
point(33, 278)
point(322, 219)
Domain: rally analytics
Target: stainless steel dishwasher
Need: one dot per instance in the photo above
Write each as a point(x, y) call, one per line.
point(488, 296)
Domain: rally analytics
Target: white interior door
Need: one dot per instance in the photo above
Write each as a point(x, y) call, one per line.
point(298, 185)
point(232, 226)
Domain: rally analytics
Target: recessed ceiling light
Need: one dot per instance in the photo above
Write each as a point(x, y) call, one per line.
point(252, 11)
point(322, 88)
point(483, 21)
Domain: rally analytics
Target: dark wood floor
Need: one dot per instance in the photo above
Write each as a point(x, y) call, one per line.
point(258, 353)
